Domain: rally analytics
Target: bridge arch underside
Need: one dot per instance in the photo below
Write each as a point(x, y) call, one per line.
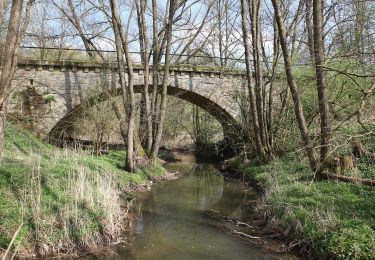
point(231, 128)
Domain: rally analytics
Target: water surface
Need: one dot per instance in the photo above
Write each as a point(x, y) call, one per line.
point(173, 220)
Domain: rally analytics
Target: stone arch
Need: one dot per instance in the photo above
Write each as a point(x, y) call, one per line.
point(230, 126)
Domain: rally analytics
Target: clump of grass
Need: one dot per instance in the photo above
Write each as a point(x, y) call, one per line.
point(68, 201)
point(78, 211)
point(334, 218)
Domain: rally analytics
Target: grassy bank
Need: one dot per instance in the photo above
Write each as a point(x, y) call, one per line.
point(64, 201)
point(334, 219)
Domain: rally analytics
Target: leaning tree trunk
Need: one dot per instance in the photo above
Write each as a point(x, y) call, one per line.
point(120, 119)
point(75, 21)
point(121, 67)
point(325, 126)
point(298, 109)
point(8, 62)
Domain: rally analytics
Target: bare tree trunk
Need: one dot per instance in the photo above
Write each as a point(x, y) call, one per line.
point(359, 7)
point(309, 28)
point(8, 62)
point(155, 67)
point(276, 56)
point(219, 17)
point(144, 50)
point(249, 77)
point(122, 46)
point(75, 21)
point(22, 32)
point(254, 16)
point(325, 126)
point(2, 129)
point(163, 105)
point(77, 24)
point(2, 7)
point(121, 71)
point(192, 40)
point(298, 109)
point(120, 120)
point(260, 94)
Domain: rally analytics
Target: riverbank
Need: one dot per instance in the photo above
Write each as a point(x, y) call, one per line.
point(324, 219)
point(59, 201)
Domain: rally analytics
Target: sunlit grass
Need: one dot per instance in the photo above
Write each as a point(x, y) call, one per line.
point(335, 218)
point(67, 200)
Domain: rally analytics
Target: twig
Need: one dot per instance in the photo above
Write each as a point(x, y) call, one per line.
point(12, 241)
point(244, 234)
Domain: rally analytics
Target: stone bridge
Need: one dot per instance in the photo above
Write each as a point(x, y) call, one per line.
point(53, 91)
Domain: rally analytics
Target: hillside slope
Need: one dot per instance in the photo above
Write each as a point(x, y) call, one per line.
point(64, 201)
point(335, 219)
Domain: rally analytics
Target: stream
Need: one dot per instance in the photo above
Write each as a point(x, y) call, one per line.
point(174, 220)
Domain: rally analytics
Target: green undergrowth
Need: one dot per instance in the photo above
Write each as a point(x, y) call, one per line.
point(334, 218)
point(64, 200)
point(364, 167)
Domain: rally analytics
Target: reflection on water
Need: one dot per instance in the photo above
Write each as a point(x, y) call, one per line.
point(173, 223)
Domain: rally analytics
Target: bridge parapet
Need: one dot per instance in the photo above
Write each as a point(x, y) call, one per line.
point(97, 67)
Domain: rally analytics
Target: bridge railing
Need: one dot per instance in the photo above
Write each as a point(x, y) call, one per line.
point(49, 54)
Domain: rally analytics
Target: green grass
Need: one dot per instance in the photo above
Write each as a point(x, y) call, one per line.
point(364, 166)
point(334, 218)
point(61, 196)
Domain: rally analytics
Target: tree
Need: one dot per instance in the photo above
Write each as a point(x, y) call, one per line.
point(309, 28)
point(122, 48)
point(325, 125)
point(308, 144)
point(260, 103)
point(163, 103)
point(8, 61)
point(71, 14)
point(249, 76)
point(143, 42)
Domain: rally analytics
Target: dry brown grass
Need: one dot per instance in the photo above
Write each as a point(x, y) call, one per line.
point(83, 212)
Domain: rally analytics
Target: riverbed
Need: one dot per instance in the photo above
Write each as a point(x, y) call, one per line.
point(186, 219)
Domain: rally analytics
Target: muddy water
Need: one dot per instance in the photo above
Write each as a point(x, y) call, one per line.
point(174, 220)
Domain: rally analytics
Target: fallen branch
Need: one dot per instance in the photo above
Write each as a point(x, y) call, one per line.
point(244, 234)
point(12, 241)
point(240, 223)
point(354, 180)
